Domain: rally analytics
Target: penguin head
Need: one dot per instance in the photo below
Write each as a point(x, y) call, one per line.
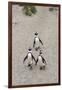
point(29, 50)
point(40, 52)
point(36, 33)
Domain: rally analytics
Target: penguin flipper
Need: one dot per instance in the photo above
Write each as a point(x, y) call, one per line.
point(34, 42)
point(44, 61)
point(33, 58)
point(25, 58)
point(40, 41)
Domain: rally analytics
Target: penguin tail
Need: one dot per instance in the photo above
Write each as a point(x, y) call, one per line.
point(37, 48)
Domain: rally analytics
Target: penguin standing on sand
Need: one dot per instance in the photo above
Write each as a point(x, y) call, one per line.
point(41, 61)
point(37, 41)
point(29, 57)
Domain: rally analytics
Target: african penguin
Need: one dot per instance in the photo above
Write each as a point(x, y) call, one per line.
point(41, 61)
point(37, 41)
point(29, 57)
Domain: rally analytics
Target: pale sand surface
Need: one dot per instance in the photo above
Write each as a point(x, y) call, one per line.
point(23, 29)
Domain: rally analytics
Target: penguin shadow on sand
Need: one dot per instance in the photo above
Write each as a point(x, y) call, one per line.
point(33, 60)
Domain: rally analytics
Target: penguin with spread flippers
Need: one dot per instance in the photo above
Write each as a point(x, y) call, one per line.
point(30, 58)
point(41, 61)
point(37, 41)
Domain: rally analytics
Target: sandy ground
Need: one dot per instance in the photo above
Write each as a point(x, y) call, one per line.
point(23, 29)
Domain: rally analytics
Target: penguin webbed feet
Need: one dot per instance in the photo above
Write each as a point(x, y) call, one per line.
point(30, 66)
point(42, 67)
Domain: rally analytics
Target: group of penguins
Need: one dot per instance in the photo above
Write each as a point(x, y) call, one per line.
point(30, 57)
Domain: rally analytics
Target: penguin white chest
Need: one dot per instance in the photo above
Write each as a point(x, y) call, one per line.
point(40, 59)
point(29, 56)
point(37, 42)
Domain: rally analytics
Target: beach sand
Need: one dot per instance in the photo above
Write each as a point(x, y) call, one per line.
point(23, 28)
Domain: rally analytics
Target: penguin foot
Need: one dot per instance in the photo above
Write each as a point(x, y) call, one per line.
point(29, 65)
point(40, 68)
point(43, 67)
point(30, 68)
